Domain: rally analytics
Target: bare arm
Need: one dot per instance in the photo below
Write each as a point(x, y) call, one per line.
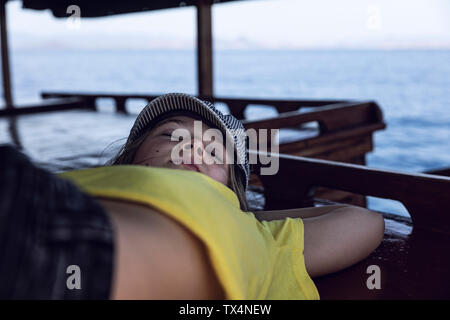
point(340, 238)
point(336, 236)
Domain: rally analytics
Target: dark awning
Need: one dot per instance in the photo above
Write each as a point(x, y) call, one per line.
point(99, 8)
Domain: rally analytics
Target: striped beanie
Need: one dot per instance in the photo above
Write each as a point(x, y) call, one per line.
point(172, 103)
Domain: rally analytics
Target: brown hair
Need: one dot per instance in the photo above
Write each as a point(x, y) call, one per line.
point(128, 151)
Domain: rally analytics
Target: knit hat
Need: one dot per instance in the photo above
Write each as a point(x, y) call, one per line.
point(173, 103)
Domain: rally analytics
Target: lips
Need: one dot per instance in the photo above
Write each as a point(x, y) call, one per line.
point(191, 167)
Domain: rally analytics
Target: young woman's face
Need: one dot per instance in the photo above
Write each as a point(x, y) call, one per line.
point(157, 150)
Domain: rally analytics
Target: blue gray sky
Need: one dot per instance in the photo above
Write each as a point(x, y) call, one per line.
point(274, 24)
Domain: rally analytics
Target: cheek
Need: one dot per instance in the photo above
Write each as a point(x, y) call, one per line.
point(151, 154)
point(219, 173)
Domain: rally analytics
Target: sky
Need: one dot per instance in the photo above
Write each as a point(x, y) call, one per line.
point(253, 24)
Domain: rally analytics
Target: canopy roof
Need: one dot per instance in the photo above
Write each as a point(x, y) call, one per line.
point(99, 8)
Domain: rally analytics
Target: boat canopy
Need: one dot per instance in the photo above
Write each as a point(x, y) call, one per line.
point(99, 8)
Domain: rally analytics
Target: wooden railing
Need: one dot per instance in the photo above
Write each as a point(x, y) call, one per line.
point(425, 196)
point(236, 106)
point(60, 104)
point(331, 117)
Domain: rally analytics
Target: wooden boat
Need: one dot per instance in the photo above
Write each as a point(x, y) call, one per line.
point(319, 165)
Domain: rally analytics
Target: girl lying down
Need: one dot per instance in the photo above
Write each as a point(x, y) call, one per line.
point(167, 218)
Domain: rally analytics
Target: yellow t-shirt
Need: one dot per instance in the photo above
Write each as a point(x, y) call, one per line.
point(252, 259)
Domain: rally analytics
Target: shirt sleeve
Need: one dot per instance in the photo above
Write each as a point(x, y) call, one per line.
point(288, 231)
point(289, 236)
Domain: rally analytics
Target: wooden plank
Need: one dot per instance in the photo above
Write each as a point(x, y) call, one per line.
point(326, 138)
point(351, 154)
point(345, 155)
point(336, 149)
point(340, 196)
point(343, 196)
point(424, 196)
point(50, 106)
point(236, 106)
point(439, 172)
point(330, 118)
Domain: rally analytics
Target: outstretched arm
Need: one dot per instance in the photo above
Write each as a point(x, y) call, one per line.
point(340, 238)
point(335, 236)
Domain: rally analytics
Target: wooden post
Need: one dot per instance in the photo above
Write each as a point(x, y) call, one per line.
point(204, 48)
point(120, 105)
point(5, 59)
